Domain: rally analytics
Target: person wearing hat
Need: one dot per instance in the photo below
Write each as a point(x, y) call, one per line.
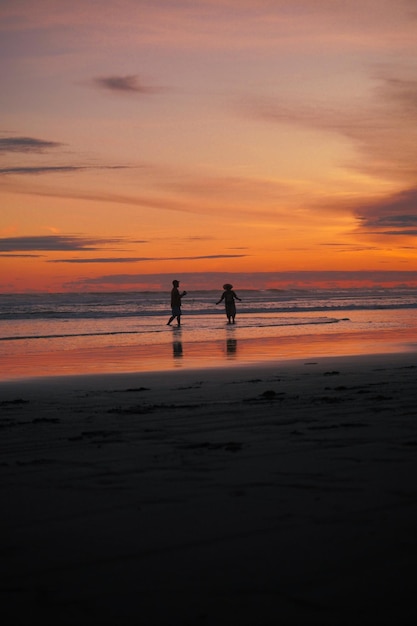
point(229, 298)
point(176, 303)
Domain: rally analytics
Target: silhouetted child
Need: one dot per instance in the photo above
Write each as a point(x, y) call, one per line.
point(229, 298)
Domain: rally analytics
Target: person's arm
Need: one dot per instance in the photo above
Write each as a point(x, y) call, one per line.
point(222, 298)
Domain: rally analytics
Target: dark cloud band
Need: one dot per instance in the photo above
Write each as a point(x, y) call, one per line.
point(122, 84)
point(57, 169)
point(62, 243)
point(26, 144)
point(145, 259)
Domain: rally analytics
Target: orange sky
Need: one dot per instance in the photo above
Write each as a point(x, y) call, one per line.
point(141, 139)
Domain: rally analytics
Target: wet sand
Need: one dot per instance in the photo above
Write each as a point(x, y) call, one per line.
point(179, 352)
point(282, 493)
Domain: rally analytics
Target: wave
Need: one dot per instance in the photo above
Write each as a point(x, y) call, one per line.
point(152, 313)
point(68, 335)
point(265, 323)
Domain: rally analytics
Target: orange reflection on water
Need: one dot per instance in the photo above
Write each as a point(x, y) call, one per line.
point(217, 353)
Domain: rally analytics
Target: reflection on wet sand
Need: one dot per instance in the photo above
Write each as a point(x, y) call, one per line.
point(231, 348)
point(220, 351)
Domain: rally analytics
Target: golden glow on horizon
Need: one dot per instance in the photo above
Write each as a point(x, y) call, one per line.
point(158, 138)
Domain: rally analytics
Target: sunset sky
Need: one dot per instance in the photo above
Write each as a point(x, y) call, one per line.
point(144, 139)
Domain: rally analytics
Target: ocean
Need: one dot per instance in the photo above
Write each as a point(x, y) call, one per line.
point(43, 334)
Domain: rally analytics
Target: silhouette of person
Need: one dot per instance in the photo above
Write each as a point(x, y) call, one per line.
point(229, 298)
point(176, 302)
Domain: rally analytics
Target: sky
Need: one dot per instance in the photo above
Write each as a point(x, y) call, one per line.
point(265, 140)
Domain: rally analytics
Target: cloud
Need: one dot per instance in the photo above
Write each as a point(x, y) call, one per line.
point(103, 260)
point(380, 126)
point(145, 259)
point(41, 169)
point(31, 145)
point(123, 84)
point(393, 216)
point(400, 90)
point(57, 243)
point(26, 144)
point(214, 24)
point(56, 169)
point(383, 131)
point(251, 280)
point(20, 256)
point(203, 195)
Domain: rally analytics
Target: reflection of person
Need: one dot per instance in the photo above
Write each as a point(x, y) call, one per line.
point(177, 349)
point(229, 298)
point(231, 347)
point(176, 302)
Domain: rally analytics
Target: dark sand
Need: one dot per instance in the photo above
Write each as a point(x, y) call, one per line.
point(283, 494)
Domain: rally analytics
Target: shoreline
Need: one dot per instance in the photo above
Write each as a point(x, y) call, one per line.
point(276, 493)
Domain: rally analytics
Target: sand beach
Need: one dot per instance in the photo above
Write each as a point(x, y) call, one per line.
point(281, 493)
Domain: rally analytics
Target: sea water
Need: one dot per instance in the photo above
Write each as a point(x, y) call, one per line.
point(46, 333)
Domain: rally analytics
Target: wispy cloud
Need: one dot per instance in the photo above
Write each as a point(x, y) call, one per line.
point(250, 280)
point(33, 146)
point(235, 199)
point(102, 260)
point(400, 90)
point(56, 169)
point(123, 84)
point(60, 243)
point(395, 215)
point(381, 127)
point(20, 256)
point(41, 169)
point(146, 259)
point(26, 144)
point(216, 23)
